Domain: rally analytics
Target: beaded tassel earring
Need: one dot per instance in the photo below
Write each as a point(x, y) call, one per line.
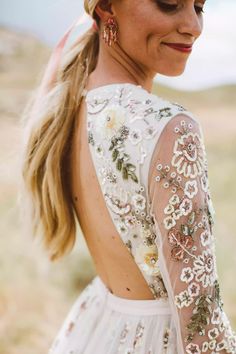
point(110, 31)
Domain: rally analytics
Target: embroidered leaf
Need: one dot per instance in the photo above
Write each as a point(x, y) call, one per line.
point(119, 164)
point(133, 177)
point(191, 218)
point(131, 167)
point(125, 173)
point(111, 146)
point(115, 155)
point(185, 229)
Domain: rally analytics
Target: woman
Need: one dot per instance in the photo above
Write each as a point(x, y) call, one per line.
point(131, 167)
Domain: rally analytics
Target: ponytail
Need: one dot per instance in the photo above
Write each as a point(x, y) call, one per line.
point(48, 127)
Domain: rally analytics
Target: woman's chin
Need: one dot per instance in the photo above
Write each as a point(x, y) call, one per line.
point(173, 71)
point(176, 72)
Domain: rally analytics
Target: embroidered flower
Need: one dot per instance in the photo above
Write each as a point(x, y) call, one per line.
point(213, 333)
point(122, 228)
point(147, 258)
point(169, 209)
point(177, 253)
point(205, 346)
point(169, 222)
point(174, 199)
point(188, 155)
point(212, 344)
point(191, 188)
point(203, 268)
point(139, 201)
point(181, 243)
point(193, 349)
point(186, 206)
point(183, 299)
point(194, 289)
point(187, 275)
point(221, 345)
point(135, 136)
point(129, 221)
point(205, 238)
point(149, 132)
point(216, 316)
point(177, 214)
point(116, 205)
point(110, 121)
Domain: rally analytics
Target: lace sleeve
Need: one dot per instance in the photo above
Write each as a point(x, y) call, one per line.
point(183, 214)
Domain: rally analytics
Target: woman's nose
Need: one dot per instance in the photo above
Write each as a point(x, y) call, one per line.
point(190, 22)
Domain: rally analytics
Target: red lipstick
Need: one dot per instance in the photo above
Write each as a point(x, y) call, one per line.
point(182, 47)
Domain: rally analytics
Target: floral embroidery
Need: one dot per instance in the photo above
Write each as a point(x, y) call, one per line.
point(193, 349)
point(139, 201)
point(189, 225)
point(166, 338)
point(182, 243)
point(187, 275)
point(120, 157)
point(186, 206)
point(203, 268)
point(110, 136)
point(202, 313)
point(191, 189)
point(120, 149)
point(149, 132)
point(135, 136)
point(147, 257)
point(194, 289)
point(183, 299)
point(206, 238)
point(188, 154)
point(110, 121)
point(215, 319)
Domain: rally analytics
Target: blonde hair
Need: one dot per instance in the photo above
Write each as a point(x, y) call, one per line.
point(48, 122)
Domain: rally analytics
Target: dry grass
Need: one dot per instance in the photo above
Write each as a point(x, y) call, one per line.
point(36, 295)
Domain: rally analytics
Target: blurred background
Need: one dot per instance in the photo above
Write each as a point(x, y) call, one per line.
point(35, 294)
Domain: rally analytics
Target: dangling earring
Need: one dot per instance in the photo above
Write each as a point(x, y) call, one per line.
point(110, 31)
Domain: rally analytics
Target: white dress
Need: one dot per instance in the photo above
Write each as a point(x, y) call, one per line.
point(151, 163)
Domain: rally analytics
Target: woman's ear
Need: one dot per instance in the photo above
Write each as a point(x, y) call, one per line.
point(104, 10)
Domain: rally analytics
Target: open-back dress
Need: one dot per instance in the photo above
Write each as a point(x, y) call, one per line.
point(150, 162)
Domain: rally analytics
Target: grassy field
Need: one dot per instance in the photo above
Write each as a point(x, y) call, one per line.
point(35, 295)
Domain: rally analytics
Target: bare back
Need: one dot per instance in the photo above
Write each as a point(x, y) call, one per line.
point(113, 262)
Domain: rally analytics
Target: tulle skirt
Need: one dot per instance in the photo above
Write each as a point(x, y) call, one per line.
point(102, 323)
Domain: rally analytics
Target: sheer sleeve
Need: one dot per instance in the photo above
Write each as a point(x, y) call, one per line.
point(183, 214)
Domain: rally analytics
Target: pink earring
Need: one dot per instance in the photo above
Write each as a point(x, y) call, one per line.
point(110, 31)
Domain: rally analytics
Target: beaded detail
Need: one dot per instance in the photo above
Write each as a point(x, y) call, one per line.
point(167, 225)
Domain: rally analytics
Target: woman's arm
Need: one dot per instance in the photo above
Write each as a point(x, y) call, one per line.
point(183, 213)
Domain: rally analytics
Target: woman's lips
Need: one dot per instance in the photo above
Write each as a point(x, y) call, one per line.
point(182, 47)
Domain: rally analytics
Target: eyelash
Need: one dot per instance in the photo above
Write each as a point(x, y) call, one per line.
point(170, 7)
